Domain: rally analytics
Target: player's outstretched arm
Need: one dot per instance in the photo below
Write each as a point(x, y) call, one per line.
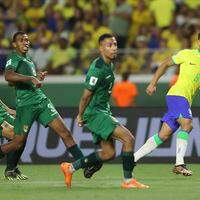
point(12, 76)
point(159, 72)
point(85, 99)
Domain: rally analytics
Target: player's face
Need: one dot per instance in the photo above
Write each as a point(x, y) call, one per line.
point(22, 43)
point(108, 48)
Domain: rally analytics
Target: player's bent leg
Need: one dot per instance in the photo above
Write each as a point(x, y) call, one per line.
point(15, 144)
point(181, 147)
point(154, 141)
point(107, 152)
point(124, 135)
point(60, 128)
point(12, 171)
point(92, 159)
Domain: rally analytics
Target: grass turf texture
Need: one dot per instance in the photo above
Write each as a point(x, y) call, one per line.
point(46, 183)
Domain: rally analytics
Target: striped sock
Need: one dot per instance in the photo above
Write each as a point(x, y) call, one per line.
point(151, 144)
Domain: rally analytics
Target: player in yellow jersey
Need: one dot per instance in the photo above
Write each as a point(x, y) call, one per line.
point(179, 100)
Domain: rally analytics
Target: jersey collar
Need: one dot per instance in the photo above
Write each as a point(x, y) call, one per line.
point(102, 60)
point(19, 55)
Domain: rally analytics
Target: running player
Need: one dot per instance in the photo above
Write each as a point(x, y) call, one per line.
point(31, 103)
point(179, 100)
point(94, 111)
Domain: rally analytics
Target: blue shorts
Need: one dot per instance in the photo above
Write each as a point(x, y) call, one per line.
point(178, 107)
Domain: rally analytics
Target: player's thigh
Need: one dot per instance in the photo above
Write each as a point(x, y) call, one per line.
point(166, 131)
point(48, 113)
point(25, 117)
point(122, 134)
point(102, 125)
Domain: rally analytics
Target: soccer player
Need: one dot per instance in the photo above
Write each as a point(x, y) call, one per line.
point(12, 172)
point(179, 100)
point(31, 103)
point(94, 111)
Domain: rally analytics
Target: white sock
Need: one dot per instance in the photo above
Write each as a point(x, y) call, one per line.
point(151, 144)
point(181, 147)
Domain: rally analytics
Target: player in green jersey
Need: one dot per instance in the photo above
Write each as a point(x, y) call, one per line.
point(31, 103)
point(94, 111)
point(12, 172)
point(179, 101)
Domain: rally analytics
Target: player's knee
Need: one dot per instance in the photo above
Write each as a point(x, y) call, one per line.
point(187, 127)
point(108, 155)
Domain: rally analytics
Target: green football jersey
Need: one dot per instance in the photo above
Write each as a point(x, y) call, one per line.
point(3, 111)
point(100, 79)
point(26, 92)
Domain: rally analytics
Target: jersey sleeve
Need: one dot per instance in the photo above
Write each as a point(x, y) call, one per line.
point(179, 57)
point(1, 121)
point(93, 78)
point(12, 63)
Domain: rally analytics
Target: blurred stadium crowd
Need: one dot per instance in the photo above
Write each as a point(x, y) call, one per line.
point(64, 33)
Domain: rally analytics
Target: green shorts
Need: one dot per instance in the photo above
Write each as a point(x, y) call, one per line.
point(8, 118)
point(101, 125)
point(44, 112)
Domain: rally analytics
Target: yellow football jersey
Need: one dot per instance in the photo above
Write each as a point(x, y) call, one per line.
point(189, 76)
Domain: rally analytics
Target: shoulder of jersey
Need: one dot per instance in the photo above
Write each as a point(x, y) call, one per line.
point(98, 63)
point(15, 56)
point(188, 50)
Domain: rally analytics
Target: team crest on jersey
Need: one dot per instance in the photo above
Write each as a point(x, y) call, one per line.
point(93, 80)
point(25, 128)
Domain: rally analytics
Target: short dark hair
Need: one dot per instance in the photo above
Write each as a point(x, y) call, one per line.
point(16, 34)
point(198, 36)
point(125, 76)
point(104, 36)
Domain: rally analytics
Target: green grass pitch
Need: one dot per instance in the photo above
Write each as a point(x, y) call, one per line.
point(46, 183)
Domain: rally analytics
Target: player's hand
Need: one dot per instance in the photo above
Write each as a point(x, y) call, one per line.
point(12, 112)
point(42, 75)
point(80, 121)
point(150, 89)
point(36, 82)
